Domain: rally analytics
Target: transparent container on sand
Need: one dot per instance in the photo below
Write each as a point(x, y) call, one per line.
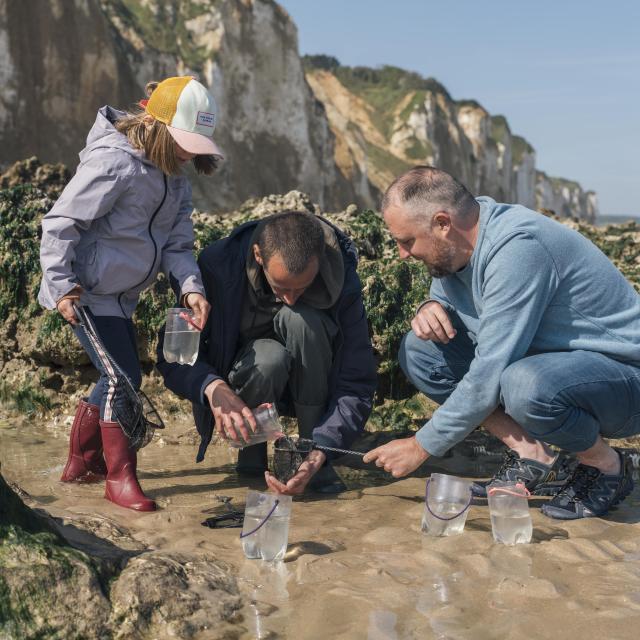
point(447, 500)
point(268, 427)
point(181, 337)
point(510, 516)
point(265, 531)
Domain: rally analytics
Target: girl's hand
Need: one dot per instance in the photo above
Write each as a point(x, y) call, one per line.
point(65, 305)
point(200, 307)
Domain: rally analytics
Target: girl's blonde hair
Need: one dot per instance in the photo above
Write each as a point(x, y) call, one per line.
point(157, 143)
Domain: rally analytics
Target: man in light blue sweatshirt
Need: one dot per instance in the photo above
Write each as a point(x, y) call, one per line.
point(530, 330)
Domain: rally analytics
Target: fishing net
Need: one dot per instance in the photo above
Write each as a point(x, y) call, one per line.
point(131, 408)
point(288, 454)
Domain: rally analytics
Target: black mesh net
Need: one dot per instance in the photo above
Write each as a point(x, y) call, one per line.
point(134, 411)
point(288, 454)
point(131, 408)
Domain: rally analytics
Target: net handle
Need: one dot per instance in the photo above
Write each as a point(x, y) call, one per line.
point(321, 447)
point(435, 515)
point(250, 533)
point(105, 357)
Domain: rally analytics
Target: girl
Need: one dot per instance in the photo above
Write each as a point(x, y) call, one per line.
point(124, 216)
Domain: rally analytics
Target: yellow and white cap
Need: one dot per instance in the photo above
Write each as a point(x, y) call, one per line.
point(189, 111)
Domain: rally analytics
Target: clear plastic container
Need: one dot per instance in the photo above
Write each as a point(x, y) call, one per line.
point(447, 500)
point(181, 337)
point(265, 531)
point(510, 516)
point(268, 427)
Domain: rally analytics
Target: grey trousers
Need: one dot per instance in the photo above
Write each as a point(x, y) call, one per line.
point(296, 364)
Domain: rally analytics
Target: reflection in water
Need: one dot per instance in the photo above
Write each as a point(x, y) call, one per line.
point(382, 625)
point(265, 584)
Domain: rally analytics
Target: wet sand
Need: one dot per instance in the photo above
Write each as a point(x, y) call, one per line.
point(357, 566)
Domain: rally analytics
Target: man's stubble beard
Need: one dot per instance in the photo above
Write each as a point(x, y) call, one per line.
point(444, 261)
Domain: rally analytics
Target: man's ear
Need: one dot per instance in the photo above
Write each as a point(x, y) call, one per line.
point(441, 222)
point(257, 255)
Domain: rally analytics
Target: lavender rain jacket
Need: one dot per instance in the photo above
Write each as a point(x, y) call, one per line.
point(117, 223)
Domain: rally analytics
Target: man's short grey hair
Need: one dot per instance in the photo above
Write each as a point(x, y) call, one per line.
point(425, 190)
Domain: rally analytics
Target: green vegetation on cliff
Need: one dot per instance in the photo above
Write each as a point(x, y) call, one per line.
point(383, 88)
point(500, 131)
point(520, 147)
point(163, 25)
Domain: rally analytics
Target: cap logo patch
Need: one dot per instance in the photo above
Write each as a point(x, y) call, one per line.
point(205, 119)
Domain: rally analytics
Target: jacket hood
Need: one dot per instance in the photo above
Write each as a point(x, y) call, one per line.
point(104, 135)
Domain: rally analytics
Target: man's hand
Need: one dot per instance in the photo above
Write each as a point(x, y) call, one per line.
point(229, 412)
point(200, 307)
point(296, 485)
point(65, 305)
point(432, 323)
point(398, 457)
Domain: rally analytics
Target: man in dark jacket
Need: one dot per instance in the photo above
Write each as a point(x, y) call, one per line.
point(287, 326)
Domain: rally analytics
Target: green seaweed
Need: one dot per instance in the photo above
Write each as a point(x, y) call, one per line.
point(24, 398)
point(392, 288)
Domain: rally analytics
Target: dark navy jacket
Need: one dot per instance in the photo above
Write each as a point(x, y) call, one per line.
point(353, 373)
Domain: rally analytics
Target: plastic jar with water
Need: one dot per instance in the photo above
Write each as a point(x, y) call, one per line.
point(181, 337)
point(265, 531)
point(268, 427)
point(447, 500)
point(510, 515)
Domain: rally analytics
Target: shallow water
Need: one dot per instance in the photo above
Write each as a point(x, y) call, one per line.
point(358, 566)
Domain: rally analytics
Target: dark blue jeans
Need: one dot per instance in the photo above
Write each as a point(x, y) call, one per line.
point(564, 398)
point(119, 338)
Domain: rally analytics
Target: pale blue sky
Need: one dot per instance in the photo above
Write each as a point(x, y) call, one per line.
point(566, 74)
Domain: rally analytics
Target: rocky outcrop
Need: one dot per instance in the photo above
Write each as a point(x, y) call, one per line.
point(388, 119)
point(51, 589)
point(47, 588)
point(41, 361)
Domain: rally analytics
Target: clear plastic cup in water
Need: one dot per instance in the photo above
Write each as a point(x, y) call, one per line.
point(510, 515)
point(447, 500)
point(268, 427)
point(181, 337)
point(265, 531)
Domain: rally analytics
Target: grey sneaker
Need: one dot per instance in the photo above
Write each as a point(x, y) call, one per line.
point(540, 479)
point(589, 493)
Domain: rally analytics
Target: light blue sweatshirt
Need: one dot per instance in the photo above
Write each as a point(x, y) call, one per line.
point(532, 286)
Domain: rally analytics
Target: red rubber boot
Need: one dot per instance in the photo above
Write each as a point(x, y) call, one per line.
point(122, 483)
point(85, 462)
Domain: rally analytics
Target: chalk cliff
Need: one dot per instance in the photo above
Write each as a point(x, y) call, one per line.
point(337, 133)
point(387, 119)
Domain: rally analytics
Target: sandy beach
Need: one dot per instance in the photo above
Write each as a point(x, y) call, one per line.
point(357, 566)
